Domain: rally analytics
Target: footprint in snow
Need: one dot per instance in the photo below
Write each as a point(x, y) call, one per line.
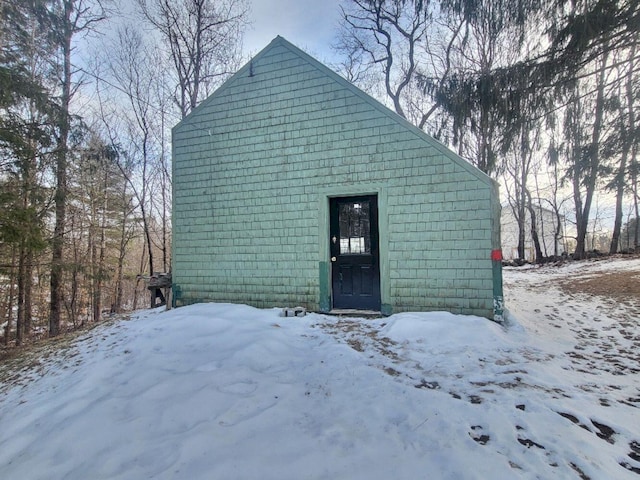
point(605, 432)
point(477, 435)
point(529, 443)
point(634, 455)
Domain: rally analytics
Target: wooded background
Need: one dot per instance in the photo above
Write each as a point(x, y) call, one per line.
point(540, 94)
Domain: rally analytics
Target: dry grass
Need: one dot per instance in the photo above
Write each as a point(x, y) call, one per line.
point(31, 355)
point(619, 286)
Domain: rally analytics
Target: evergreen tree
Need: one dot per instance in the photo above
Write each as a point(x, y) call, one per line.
point(569, 74)
point(26, 135)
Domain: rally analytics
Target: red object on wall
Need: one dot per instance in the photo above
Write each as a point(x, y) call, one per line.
point(496, 255)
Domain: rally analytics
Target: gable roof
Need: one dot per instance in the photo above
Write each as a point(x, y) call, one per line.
point(281, 42)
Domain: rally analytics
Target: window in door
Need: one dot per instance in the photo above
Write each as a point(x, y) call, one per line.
point(355, 229)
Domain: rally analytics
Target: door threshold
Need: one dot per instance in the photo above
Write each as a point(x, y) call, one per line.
point(354, 312)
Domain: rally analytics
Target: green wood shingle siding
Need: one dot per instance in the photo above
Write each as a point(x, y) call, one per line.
point(252, 168)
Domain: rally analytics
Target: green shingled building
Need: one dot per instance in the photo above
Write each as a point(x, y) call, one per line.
point(292, 187)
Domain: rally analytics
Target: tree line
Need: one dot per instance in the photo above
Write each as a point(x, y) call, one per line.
point(85, 183)
point(541, 95)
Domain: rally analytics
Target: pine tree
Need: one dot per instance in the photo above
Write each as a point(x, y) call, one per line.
point(26, 135)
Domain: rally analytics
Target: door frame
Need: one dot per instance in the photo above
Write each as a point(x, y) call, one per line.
point(361, 264)
point(324, 271)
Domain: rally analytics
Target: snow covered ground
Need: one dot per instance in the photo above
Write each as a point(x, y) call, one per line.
point(218, 391)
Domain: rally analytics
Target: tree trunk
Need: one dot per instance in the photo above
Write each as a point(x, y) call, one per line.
point(592, 166)
point(142, 268)
point(25, 281)
point(165, 250)
point(147, 236)
point(122, 247)
point(117, 307)
point(534, 229)
point(629, 140)
point(97, 299)
point(557, 234)
point(143, 210)
point(558, 230)
point(95, 285)
point(93, 255)
point(117, 304)
point(28, 298)
point(21, 278)
point(521, 190)
point(12, 293)
point(72, 308)
point(23, 322)
point(636, 232)
point(617, 224)
point(522, 235)
point(545, 251)
point(60, 197)
point(581, 226)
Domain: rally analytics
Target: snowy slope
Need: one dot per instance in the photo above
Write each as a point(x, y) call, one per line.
point(217, 391)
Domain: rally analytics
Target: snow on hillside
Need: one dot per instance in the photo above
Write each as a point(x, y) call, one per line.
point(232, 392)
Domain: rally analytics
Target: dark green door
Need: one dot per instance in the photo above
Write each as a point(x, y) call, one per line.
point(355, 257)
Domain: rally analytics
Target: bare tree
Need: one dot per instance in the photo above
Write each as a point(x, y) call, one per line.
point(406, 47)
point(140, 131)
point(517, 168)
point(558, 197)
point(100, 182)
point(70, 18)
point(204, 38)
point(133, 70)
point(126, 233)
point(586, 160)
point(162, 177)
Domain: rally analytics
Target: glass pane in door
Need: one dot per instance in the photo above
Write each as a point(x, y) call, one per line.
point(355, 228)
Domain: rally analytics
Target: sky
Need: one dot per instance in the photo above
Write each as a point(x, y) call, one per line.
point(309, 24)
